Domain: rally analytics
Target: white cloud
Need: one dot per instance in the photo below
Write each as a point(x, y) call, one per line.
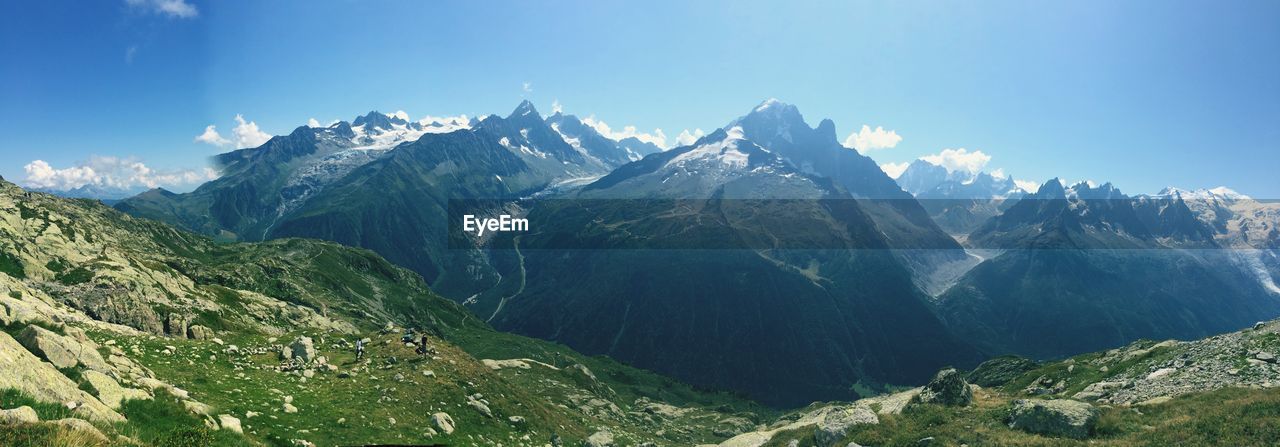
point(211, 136)
point(894, 169)
point(172, 8)
point(555, 107)
point(959, 160)
point(686, 138)
point(245, 134)
point(400, 114)
point(527, 87)
point(111, 172)
point(866, 139)
point(312, 122)
point(657, 137)
point(1027, 185)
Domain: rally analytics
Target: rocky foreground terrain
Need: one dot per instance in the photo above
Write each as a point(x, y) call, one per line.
point(122, 331)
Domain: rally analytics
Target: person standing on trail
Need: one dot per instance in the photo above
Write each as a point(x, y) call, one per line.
point(422, 345)
point(359, 349)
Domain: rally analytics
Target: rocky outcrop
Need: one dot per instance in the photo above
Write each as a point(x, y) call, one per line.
point(109, 391)
point(20, 415)
point(1056, 417)
point(25, 372)
point(61, 351)
point(230, 423)
point(302, 349)
point(948, 387)
point(198, 332)
point(602, 438)
point(836, 424)
point(443, 422)
point(1000, 370)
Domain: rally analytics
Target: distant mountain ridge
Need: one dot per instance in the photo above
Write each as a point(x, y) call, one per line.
point(1087, 267)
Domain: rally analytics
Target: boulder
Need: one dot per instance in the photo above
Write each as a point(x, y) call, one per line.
point(18, 311)
point(443, 422)
point(176, 325)
point(1056, 417)
point(1000, 370)
point(198, 332)
point(480, 407)
point(602, 438)
point(1098, 390)
point(302, 349)
point(835, 425)
point(82, 352)
point(20, 415)
point(109, 391)
point(229, 423)
point(49, 346)
point(948, 387)
point(197, 408)
point(25, 372)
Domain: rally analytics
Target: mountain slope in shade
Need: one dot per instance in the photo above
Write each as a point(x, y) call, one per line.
point(641, 282)
point(1088, 268)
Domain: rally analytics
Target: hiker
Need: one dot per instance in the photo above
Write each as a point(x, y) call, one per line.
point(407, 337)
point(359, 349)
point(422, 346)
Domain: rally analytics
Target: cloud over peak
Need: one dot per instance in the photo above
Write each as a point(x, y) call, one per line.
point(657, 137)
point(245, 134)
point(959, 160)
point(868, 139)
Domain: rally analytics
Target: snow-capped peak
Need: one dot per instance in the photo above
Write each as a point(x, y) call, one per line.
point(768, 104)
point(724, 151)
point(1221, 193)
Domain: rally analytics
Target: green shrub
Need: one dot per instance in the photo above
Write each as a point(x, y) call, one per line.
point(186, 437)
point(9, 264)
point(77, 275)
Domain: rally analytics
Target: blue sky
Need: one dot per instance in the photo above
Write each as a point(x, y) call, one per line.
point(1143, 94)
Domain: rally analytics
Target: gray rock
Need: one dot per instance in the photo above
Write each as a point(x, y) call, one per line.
point(948, 387)
point(443, 422)
point(836, 424)
point(481, 407)
point(1097, 390)
point(229, 423)
point(1057, 417)
point(109, 391)
point(602, 438)
point(49, 346)
point(303, 349)
point(20, 415)
point(176, 325)
point(198, 332)
point(1266, 357)
point(25, 372)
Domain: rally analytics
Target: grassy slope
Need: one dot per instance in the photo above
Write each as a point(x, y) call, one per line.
point(349, 285)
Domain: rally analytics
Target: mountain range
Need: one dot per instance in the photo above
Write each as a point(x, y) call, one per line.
point(765, 258)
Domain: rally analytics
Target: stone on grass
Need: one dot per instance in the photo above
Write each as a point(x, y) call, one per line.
point(1056, 417)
